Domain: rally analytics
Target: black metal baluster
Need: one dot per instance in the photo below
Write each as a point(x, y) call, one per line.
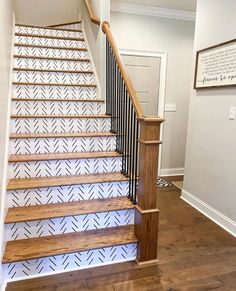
point(121, 113)
point(133, 156)
point(122, 121)
point(118, 111)
point(112, 85)
point(137, 161)
point(108, 97)
point(130, 153)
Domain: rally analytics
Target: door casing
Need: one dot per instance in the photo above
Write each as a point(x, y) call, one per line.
point(162, 85)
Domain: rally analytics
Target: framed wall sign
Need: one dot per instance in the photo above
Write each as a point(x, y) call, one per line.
point(216, 66)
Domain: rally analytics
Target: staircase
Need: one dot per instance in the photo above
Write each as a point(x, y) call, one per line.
point(67, 199)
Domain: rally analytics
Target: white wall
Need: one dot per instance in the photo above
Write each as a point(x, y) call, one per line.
point(46, 12)
point(6, 28)
point(96, 38)
point(210, 168)
point(175, 37)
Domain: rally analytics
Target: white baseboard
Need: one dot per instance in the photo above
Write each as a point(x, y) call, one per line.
point(172, 172)
point(223, 221)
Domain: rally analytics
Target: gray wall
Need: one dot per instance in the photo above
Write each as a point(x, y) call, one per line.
point(210, 168)
point(46, 12)
point(6, 26)
point(175, 37)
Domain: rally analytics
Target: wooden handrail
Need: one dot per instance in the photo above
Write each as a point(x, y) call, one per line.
point(92, 15)
point(125, 76)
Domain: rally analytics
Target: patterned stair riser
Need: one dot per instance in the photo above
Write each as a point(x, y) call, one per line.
point(50, 41)
point(61, 145)
point(54, 92)
point(54, 226)
point(46, 77)
point(48, 32)
point(52, 53)
point(64, 167)
point(51, 64)
point(70, 262)
point(58, 125)
point(75, 26)
point(72, 193)
point(25, 107)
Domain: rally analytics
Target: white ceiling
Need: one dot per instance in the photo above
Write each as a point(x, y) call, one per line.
point(187, 5)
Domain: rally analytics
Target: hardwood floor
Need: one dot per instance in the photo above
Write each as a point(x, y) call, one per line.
point(194, 253)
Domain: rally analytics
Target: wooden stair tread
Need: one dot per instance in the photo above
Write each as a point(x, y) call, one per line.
point(62, 134)
point(49, 36)
point(51, 47)
point(58, 99)
point(34, 248)
point(50, 211)
point(61, 116)
point(65, 23)
point(53, 181)
point(61, 156)
point(53, 71)
point(53, 84)
point(49, 28)
point(51, 58)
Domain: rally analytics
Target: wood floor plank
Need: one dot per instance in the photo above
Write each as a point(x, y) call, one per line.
point(31, 183)
point(48, 211)
point(61, 135)
point(61, 156)
point(27, 249)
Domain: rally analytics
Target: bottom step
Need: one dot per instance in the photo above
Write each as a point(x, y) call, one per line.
point(60, 253)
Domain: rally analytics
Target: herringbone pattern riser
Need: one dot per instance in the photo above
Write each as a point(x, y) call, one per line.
point(54, 92)
point(62, 145)
point(76, 26)
point(59, 125)
point(48, 32)
point(70, 262)
point(52, 78)
point(46, 227)
point(72, 193)
point(52, 53)
point(57, 108)
point(64, 167)
point(49, 41)
point(51, 64)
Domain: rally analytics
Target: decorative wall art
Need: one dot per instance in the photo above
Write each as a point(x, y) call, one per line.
point(216, 66)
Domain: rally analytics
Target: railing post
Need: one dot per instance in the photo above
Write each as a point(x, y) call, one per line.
point(147, 214)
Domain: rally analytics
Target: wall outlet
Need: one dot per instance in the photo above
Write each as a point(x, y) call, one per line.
point(232, 112)
point(170, 107)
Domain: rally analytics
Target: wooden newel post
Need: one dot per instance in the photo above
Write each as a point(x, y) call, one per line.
point(147, 214)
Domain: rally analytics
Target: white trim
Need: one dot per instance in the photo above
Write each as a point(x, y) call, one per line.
point(133, 8)
point(92, 62)
point(223, 221)
point(162, 86)
point(172, 172)
point(5, 166)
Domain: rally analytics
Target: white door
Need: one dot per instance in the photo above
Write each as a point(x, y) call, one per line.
point(144, 73)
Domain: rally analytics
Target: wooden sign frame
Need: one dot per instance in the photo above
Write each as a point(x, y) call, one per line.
point(215, 49)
